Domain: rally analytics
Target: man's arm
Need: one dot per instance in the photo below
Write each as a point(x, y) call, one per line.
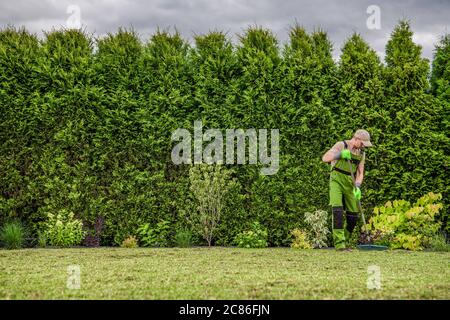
point(333, 153)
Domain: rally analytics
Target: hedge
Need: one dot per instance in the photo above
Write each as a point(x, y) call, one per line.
point(86, 123)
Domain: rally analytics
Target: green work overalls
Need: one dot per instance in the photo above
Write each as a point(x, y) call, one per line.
point(342, 198)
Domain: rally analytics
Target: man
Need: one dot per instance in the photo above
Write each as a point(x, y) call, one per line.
point(343, 194)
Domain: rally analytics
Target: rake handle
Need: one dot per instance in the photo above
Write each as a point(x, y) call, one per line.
point(354, 185)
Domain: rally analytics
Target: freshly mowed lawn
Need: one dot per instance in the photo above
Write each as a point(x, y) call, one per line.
point(222, 273)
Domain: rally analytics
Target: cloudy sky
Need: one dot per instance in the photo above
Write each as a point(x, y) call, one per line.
point(430, 19)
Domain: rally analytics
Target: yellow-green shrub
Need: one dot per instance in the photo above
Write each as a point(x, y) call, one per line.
point(300, 240)
point(407, 226)
point(130, 242)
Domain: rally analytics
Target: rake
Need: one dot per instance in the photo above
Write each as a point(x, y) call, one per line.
point(364, 246)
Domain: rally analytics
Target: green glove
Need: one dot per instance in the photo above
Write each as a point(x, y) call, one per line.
point(345, 154)
point(357, 193)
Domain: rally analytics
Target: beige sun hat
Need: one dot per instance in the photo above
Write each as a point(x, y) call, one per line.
point(364, 136)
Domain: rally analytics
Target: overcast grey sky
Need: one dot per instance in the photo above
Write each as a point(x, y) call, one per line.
point(430, 19)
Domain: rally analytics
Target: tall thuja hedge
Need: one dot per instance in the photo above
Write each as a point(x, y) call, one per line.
point(215, 73)
point(118, 63)
point(259, 61)
point(309, 101)
point(216, 77)
point(19, 124)
point(51, 112)
point(128, 180)
point(412, 161)
point(440, 75)
point(440, 82)
point(360, 75)
point(306, 102)
point(166, 105)
point(361, 87)
point(256, 105)
point(68, 115)
point(440, 86)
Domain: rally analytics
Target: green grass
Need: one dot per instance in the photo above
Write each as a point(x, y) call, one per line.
point(222, 273)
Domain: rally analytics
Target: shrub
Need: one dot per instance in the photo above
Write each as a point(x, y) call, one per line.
point(42, 239)
point(439, 243)
point(183, 238)
point(63, 229)
point(300, 239)
point(12, 235)
point(406, 226)
point(256, 237)
point(155, 237)
point(130, 242)
point(209, 185)
point(318, 231)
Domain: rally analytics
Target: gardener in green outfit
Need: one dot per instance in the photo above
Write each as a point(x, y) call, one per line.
point(343, 195)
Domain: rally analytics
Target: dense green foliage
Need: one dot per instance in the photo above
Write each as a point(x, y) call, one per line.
point(183, 238)
point(154, 237)
point(85, 125)
point(439, 243)
point(440, 86)
point(256, 237)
